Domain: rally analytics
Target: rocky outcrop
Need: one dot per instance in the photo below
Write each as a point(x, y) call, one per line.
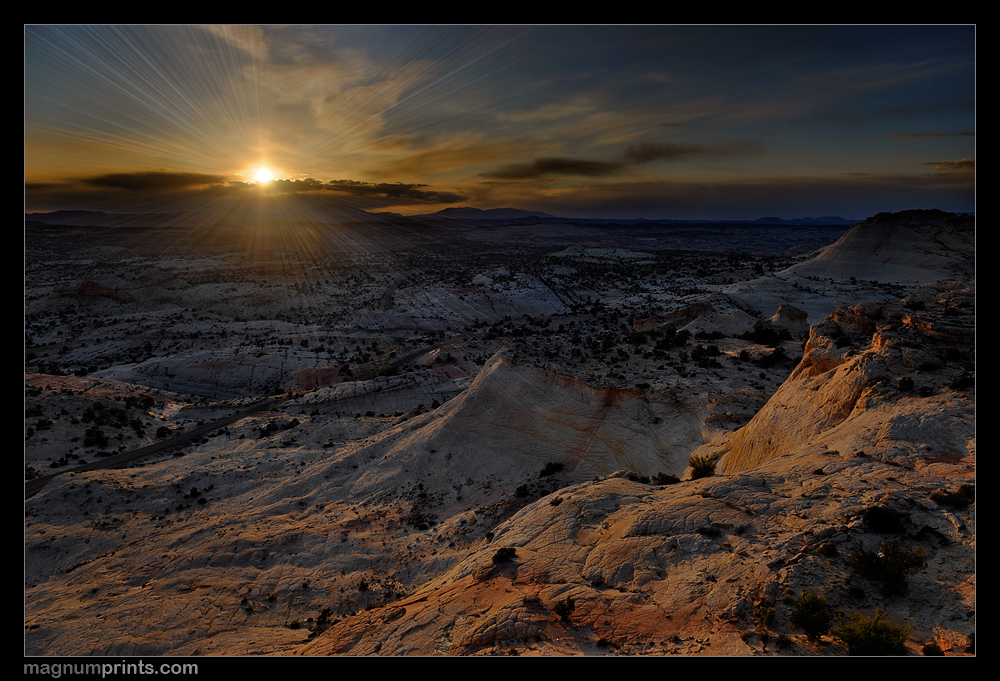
point(866, 363)
point(916, 246)
point(791, 318)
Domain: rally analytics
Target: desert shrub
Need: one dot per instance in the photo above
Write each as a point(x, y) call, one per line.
point(564, 607)
point(931, 648)
point(889, 566)
point(551, 468)
point(701, 467)
point(965, 495)
point(871, 635)
point(766, 616)
point(883, 520)
point(664, 479)
point(811, 614)
point(387, 370)
point(505, 555)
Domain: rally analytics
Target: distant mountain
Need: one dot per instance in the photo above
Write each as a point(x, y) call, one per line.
point(825, 220)
point(469, 213)
point(97, 218)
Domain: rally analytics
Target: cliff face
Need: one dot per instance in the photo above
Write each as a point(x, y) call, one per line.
point(876, 362)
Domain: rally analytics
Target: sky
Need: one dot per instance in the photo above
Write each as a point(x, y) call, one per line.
point(682, 122)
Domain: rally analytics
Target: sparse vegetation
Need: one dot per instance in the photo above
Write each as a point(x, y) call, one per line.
point(701, 467)
point(811, 613)
point(965, 495)
point(564, 608)
point(889, 567)
point(504, 555)
point(551, 468)
point(932, 649)
point(875, 635)
point(662, 478)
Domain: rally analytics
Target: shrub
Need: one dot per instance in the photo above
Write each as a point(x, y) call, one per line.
point(965, 495)
point(551, 468)
point(564, 607)
point(701, 467)
point(811, 614)
point(664, 479)
point(887, 569)
point(766, 616)
point(872, 635)
point(931, 648)
point(387, 370)
point(504, 555)
point(883, 520)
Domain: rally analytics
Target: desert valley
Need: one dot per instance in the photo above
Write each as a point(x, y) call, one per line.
point(498, 432)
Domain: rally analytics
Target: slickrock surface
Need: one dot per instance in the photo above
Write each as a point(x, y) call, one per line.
point(500, 459)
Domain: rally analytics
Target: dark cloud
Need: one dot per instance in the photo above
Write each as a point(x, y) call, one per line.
point(675, 125)
point(644, 152)
point(555, 166)
point(965, 165)
point(153, 180)
point(397, 192)
point(968, 133)
point(917, 135)
point(120, 191)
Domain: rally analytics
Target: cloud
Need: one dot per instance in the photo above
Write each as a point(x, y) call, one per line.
point(917, 135)
point(396, 192)
point(555, 166)
point(153, 180)
point(964, 165)
point(644, 152)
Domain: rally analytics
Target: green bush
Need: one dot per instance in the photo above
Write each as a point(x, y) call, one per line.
point(811, 614)
point(872, 635)
point(766, 616)
point(701, 467)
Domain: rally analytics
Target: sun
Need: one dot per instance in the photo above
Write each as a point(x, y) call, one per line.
point(264, 175)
